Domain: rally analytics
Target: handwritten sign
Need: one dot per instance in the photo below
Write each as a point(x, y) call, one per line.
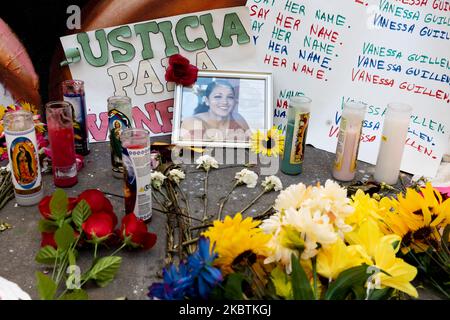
point(374, 51)
point(131, 60)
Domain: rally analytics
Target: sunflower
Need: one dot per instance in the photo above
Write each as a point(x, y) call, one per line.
point(235, 240)
point(417, 218)
point(270, 144)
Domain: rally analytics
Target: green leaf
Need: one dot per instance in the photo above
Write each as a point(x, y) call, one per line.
point(283, 287)
point(64, 236)
point(47, 226)
point(233, 286)
point(46, 286)
point(380, 294)
point(46, 255)
point(75, 295)
point(80, 213)
point(59, 204)
point(339, 289)
point(72, 259)
point(301, 288)
point(104, 270)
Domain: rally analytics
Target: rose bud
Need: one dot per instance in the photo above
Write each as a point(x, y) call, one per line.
point(134, 233)
point(48, 239)
point(44, 206)
point(96, 200)
point(98, 227)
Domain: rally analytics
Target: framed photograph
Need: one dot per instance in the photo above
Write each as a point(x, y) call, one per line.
point(222, 109)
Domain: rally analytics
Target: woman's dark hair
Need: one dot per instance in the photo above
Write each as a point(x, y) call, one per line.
point(203, 107)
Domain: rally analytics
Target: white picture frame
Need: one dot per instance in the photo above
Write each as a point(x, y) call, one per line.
point(208, 121)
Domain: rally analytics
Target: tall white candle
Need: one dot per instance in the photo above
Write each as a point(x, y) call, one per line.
point(393, 139)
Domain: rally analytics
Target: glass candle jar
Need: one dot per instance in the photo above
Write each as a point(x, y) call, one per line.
point(61, 138)
point(119, 119)
point(344, 168)
point(73, 92)
point(395, 130)
point(22, 148)
point(295, 141)
point(137, 172)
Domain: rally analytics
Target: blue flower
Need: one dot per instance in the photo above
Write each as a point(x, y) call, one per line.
point(205, 276)
point(177, 284)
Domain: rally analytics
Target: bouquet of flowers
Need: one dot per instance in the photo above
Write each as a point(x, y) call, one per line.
point(69, 224)
point(318, 244)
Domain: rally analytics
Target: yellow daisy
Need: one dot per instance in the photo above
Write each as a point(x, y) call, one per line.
point(235, 238)
point(417, 218)
point(270, 144)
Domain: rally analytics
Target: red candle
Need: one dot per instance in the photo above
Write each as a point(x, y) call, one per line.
point(61, 138)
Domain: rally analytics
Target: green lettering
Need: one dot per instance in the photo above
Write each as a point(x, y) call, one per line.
point(166, 29)
point(113, 38)
point(180, 31)
point(233, 26)
point(206, 21)
point(143, 30)
point(83, 40)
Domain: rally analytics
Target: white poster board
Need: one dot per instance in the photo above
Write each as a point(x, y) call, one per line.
point(374, 51)
point(132, 59)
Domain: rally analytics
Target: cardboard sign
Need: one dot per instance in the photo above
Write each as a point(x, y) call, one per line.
point(132, 59)
point(374, 51)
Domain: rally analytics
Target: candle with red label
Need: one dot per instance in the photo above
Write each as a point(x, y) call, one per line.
point(61, 137)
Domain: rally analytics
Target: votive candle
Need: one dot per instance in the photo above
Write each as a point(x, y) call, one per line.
point(349, 137)
point(395, 130)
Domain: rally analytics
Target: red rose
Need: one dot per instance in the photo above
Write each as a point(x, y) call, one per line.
point(44, 206)
point(96, 200)
point(48, 239)
point(98, 225)
point(135, 231)
point(181, 71)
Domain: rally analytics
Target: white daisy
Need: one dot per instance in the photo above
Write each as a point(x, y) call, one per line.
point(247, 177)
point(176, 175)
point(272, 183)
point(157, 180)
point(291, 197)
point(207, 162)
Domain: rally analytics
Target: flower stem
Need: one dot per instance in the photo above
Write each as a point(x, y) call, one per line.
point(205, 198)
point(222, 204)
point(95, 250)
point(120, 248)
point(252, 202)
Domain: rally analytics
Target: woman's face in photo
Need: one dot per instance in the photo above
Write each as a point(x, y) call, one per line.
point(221, 101)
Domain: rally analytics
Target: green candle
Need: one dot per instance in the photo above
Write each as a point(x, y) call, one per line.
point(297, 126)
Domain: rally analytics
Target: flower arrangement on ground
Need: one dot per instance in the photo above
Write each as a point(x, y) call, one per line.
point(320, 243)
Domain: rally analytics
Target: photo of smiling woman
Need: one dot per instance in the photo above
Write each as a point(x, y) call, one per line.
point(216, 118)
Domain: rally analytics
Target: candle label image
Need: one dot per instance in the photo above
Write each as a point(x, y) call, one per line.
point(117, 122)
point(347, 143)
point(137, 187)
point(79, 122)
point(299, 138)
point(24, 162)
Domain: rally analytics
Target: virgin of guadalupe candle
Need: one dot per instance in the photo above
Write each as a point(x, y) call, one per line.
point(137, 172)
point(119, 119)
point(295, 141)
point(395, 130)
point(344, 168)
point(23, 157)
point(61, 138)
point(73, 92)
